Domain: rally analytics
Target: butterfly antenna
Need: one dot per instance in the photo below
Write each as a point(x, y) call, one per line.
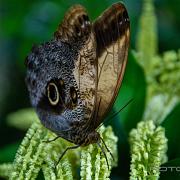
point(115, 114)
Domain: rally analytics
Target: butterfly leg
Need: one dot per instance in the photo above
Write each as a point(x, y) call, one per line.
point(102, 149)
point(107, 148)
point(71, 147)
point(51, 140)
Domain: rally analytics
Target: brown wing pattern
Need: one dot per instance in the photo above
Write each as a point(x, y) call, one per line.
point(76, 30)
point(85, 75)
point(72, 27)
point(112, 31)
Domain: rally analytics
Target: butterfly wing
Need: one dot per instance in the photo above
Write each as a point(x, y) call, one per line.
point(76, 30)
point(112, 31)
point(75, 27)
point(91, 58)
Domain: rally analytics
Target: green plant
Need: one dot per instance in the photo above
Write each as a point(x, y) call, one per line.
point(34, 154)
point(149, 125)
point(148, 142)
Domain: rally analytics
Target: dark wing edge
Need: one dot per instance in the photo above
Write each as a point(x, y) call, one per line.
point(112, 34)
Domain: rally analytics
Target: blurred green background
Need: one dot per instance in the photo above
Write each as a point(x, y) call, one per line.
point(24, 23)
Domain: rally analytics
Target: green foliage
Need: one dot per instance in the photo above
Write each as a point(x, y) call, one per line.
point(171, 124)
point(22, 119)
point(6, 169)
point(8, 152)
point(147, 35)
point(159, 107)
point(165, 74)
point(148, 142)
point(131, 90)
point(151, 80)
point(34, 154)
point(92, 165)
point(148, 149)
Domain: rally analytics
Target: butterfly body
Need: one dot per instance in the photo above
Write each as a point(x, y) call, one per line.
point(73, 79)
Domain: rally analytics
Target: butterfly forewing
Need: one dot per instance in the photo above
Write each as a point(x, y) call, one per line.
point(112, 37)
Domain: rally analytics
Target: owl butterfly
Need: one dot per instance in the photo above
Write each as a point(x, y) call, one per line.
point(73, 79)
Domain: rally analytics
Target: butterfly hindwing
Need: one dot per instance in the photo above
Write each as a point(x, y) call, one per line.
point(112, 38)
point(76, 29)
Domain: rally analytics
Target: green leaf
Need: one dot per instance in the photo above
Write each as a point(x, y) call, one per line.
point(170, 170)
point(7, 153)
point(172, 126)
point(22, 119)
point(133, 87)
